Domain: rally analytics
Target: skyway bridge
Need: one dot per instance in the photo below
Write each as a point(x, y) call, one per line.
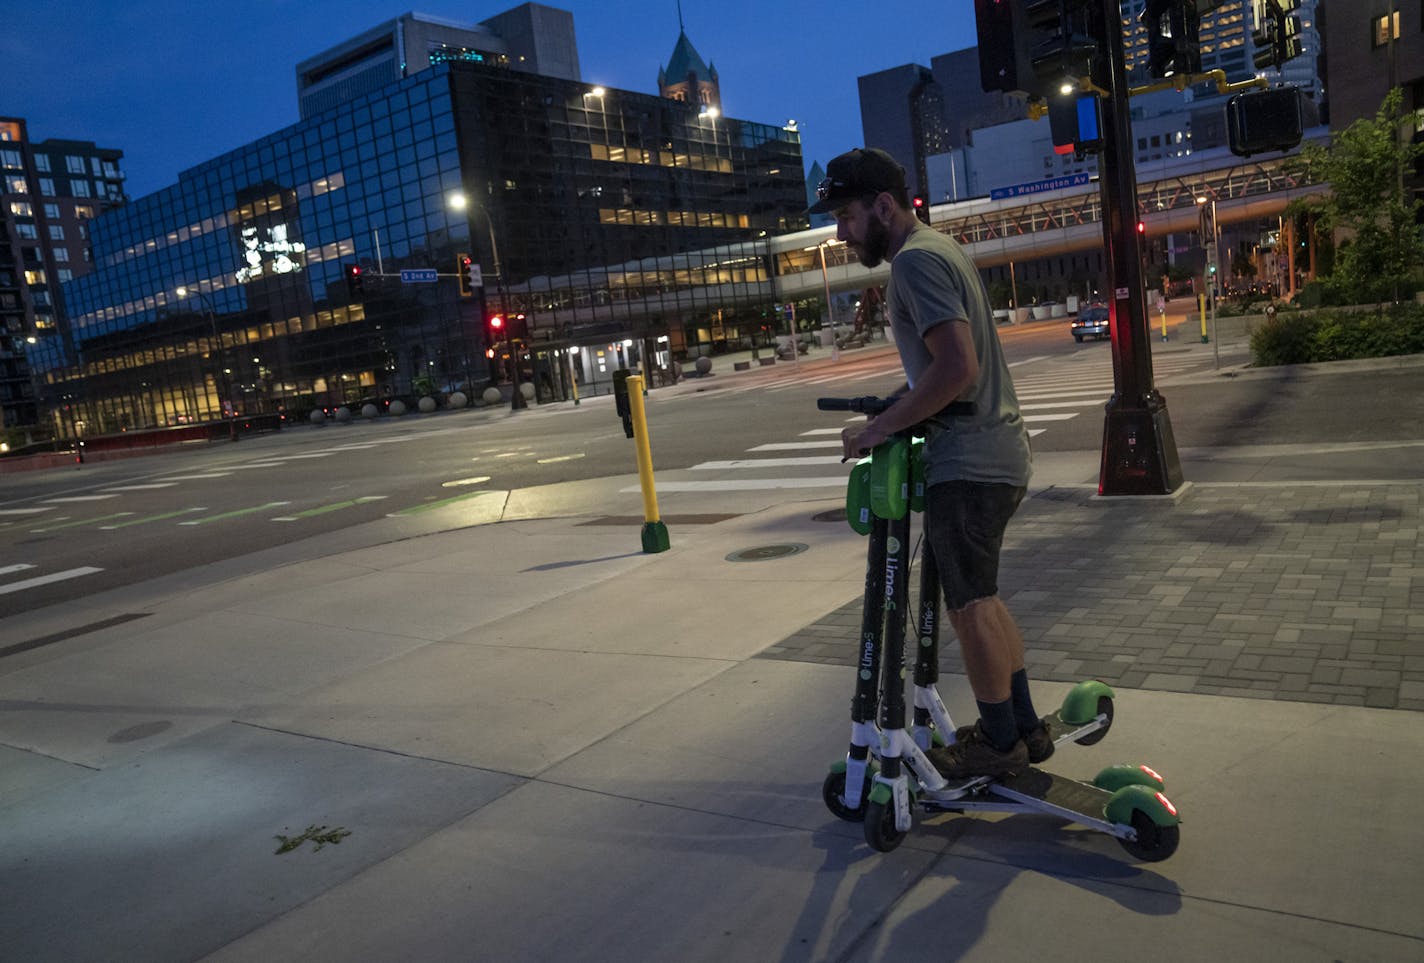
point(995, 232)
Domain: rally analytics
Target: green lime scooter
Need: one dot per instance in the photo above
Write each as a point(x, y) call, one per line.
point(886, 772)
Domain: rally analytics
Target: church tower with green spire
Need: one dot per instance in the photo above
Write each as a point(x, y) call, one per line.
point(686, 77)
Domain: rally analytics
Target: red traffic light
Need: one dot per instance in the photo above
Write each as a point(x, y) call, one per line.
point(1141, 227)
point(496, 323)
point(919, 202)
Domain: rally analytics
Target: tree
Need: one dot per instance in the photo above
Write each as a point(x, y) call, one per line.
point(1364, 166)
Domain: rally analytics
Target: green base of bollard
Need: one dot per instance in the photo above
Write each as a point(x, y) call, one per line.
point(655, 538)
point(1204, 339)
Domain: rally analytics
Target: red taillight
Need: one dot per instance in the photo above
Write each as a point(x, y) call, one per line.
point(1153, 773)
point(1167, 804)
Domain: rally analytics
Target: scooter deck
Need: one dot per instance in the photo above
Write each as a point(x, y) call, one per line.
point(1059, 792)
point(1029, 788)
point(1061, 731)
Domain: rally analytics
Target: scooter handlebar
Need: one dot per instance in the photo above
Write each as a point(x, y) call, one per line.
point(872, 405)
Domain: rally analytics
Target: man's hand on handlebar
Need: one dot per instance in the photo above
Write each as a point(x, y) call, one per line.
point(858, 440)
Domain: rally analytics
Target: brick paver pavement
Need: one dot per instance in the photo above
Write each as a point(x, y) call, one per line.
point(1307, 592)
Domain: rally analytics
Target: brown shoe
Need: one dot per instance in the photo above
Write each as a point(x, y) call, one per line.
point(975, 755)
point(1039, 741)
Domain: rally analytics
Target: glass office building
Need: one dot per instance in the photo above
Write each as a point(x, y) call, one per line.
point(605, 217)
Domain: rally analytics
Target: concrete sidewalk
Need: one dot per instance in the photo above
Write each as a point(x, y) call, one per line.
point(546, 745)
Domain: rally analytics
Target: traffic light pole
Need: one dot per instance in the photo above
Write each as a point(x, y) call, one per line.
point(1139, 453)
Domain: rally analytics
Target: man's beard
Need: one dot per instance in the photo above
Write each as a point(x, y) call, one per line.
point(876, 244)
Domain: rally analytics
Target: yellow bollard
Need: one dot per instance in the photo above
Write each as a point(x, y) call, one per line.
point(1163, 311)
point(1201, 307)
point(655, 533)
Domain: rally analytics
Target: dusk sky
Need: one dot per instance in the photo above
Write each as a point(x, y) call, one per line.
point(173, 84)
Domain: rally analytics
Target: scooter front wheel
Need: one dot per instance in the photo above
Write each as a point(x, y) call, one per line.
point(1154, 843)
point(880, 832)
point(833, 794)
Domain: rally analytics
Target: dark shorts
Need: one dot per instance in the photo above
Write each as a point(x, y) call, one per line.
point(965, 524)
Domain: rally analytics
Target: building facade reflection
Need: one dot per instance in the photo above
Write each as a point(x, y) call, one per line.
point(613, 190)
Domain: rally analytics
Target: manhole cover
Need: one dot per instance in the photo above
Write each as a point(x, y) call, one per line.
point(765, 552)
point(832, 515)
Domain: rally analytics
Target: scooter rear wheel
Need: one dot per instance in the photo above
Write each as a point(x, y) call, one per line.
point(1105, 708)
point(880, 832)
point(833, 794)
point(1154, 843)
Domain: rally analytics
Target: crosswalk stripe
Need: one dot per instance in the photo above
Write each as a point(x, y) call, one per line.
point(743, 485)
point(821, 431)
point(40, 580)
point(1060, 417)
point(769, 462)
point(140, 488)
point(26, 511)
point(1080, 403)
point(12, 569)
point(213, 474)
point(795, 445)
point(78, 498)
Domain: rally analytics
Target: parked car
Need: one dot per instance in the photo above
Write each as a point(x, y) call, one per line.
point(1092, 321)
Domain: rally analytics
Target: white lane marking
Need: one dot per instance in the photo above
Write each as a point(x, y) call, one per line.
point(1059, 417)
point(476, 480)
point(25, 511)
point(313, 454)
point(140, 488)
point(1102, 392)
point(769, 462)
point(1081, 403)
point(743, 485)
point(821, 431)
point(1040, 357)
point(795, 445)
point(78, 498)
point(36, 582)
point(558, 458)
point(12, 569)
point(216, 474)
point(259, 464)
point(1032, 432)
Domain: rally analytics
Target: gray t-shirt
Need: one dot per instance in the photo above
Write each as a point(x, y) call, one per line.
point(932, 281)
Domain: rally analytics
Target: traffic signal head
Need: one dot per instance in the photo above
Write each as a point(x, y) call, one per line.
point(353, 280)
point(1276, 36)
point(464, 269)
point(1030, 46)
point(1141, 227)
point(922, 210)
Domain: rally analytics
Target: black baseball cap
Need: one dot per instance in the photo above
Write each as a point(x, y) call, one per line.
point(863, 172)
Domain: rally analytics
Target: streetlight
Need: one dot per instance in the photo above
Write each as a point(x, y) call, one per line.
point(826, 281)
point(459, 202)
point(226, 386)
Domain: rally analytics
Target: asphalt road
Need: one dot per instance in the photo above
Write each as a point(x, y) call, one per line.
point(67, 533)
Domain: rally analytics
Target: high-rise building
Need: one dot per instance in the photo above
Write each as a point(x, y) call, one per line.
point(271, 277)
point(686, 77)
point(50, 191)
point(531, 37)
point(1370, 48)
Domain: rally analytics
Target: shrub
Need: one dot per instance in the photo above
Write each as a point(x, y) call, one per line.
point(1339, 335)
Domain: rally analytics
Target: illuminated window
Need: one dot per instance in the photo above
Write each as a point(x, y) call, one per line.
point(1380, 29)
point(21, 209)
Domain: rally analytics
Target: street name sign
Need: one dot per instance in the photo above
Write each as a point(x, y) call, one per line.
point(418, 276)
point(1038, 187)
